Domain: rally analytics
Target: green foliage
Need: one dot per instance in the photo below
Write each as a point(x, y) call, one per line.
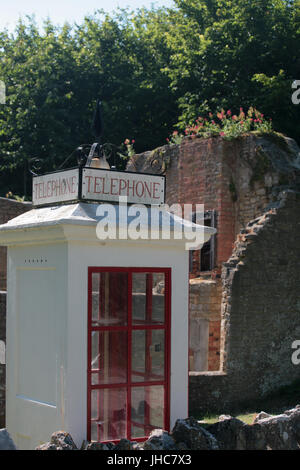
point(154, 70)
point(129, 146)
point(237, 53)
point(54, 78)
point(276, 402)
point(10, 195)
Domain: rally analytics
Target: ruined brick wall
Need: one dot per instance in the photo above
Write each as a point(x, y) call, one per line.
point(195, 175)
point(257, 169)
point(2, 357)
point(235, 178)
point(9, 208)
point(205, 308)
point(214, 344)
point(260, 312)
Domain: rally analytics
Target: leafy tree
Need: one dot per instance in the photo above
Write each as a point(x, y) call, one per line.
point(54, 79)
point(153, 70)
point(228, 53)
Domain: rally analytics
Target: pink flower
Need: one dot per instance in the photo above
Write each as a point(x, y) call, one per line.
point(175, 132)
point(234, 117)
point(133, 141)
point(222, 134)
point(127, 142)
point(228, 112)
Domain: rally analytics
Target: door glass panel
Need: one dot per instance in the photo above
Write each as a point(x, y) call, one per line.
point(109, 411)
point(148, 303)
point(113, 334)
point(147, 410)
point(148, 354)
point(109, 357)
point(109, 298)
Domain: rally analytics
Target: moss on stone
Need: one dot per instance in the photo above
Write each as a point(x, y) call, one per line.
point(262, 166)
point(158, 157)
point(279, 140)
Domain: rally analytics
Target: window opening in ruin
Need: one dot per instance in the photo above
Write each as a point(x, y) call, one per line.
point(204, 259)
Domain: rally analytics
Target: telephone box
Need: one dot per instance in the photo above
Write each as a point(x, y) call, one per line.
point(97, 329)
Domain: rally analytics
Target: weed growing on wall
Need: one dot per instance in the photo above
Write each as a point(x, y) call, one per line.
point(225, 124)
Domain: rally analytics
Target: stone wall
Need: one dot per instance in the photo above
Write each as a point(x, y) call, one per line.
point(238, 179)
point(266, 432)
point(194, 175)
point(204, 317)
point(260, 312)
point(9, 209)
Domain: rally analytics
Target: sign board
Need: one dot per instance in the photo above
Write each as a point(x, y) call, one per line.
point(56, 187)
point(94, 184)
point(107, 185)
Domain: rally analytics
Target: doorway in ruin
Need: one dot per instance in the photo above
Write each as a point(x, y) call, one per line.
point(205, 302)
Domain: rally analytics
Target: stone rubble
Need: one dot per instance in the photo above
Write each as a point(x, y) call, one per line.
point(267, 432)
point(193, 435)
point(6, 442)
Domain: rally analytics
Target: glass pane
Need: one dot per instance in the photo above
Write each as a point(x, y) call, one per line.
point(148, 298)
point(109, 298)
point(109, 357)
point(109, 414)
point(147, 410)
point(148, 355)
point(94, 431)
point(95, 296)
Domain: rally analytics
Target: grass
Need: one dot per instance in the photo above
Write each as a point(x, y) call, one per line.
point(276, 403)
point(245, 417)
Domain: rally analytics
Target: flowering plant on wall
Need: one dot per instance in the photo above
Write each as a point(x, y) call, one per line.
point(129, 147)
point(225, 124)
point(129, 151)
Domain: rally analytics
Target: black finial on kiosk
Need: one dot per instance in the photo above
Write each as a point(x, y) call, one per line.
point(97, 126)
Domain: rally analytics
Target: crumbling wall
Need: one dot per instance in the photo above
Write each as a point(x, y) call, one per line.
point(260, 312)
point(194, 175)
point(238, 179)
point(204, 317)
